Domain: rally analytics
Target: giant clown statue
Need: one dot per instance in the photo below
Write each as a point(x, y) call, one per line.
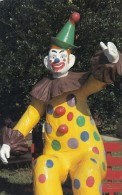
point(73, 146)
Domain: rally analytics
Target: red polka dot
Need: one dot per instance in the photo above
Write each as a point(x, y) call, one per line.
point(42, 178)
point(69, 116)
point(90, 181)
point(60, 111)
point(95, 150)
point(63, 128)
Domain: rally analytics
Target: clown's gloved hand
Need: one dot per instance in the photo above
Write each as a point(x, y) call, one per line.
point(5, 153)
point(110, 52)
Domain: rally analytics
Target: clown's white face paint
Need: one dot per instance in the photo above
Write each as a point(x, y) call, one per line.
point(58, 62)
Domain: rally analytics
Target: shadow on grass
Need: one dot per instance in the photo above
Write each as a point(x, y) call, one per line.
point(7, 188)
point(14, 179)
point(14, 189)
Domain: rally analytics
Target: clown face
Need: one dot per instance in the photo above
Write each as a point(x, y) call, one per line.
point(59, 62)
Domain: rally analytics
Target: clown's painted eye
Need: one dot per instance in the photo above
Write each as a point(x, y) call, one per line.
point(53, 56)
point(63, 56)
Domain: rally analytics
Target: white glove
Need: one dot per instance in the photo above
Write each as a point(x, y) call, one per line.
point(5, 153)
point(110, 52)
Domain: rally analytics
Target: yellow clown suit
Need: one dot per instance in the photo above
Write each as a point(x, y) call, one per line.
point(73, 146)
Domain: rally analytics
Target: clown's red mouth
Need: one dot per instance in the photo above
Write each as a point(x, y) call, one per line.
point(57, 66)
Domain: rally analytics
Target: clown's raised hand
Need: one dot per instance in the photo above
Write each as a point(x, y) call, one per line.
point(113, 55)
point(110, 52)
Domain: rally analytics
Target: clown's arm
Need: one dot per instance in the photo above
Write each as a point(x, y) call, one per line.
point(14, 139)
point(107, 67)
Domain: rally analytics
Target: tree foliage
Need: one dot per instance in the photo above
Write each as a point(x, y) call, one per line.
point(26, 27)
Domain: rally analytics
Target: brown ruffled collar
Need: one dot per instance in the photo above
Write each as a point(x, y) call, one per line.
point(48, 88)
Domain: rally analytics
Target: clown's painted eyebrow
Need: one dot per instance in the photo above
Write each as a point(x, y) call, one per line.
point(61, 51)
point(54, 51)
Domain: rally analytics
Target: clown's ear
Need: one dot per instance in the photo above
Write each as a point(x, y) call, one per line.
point(71, 60)
point(46, 62)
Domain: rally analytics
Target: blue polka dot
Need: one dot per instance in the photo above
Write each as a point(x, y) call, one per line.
point(71, 100)
point(49, 109)
point(76, 183)
point(73, 143)
point(49, 163)
point(93, 160)
point(48, 128)
point(84, 136)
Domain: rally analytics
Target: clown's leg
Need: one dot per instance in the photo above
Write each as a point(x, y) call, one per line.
point(46, 172)
point(87, 177)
